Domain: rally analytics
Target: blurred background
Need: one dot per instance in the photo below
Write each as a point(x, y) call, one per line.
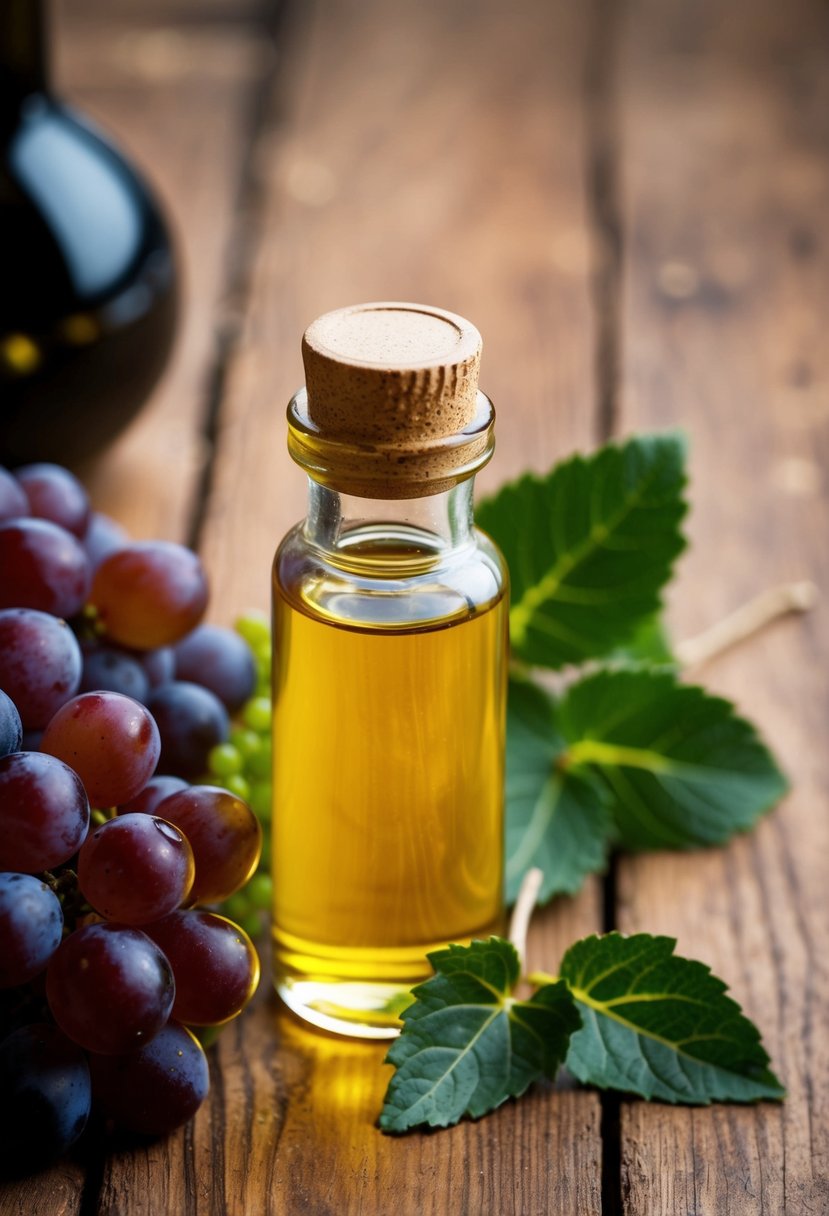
point(628, 197)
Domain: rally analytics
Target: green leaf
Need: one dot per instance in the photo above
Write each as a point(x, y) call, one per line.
point(589, 547)
point(649, 643)
point(556, 819)
point(682, 768)
point(467, 1044)
point(660, 1026)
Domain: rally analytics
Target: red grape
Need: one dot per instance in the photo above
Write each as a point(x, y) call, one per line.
point(218, 659)
point(31, 926)
point(149, 594)
point(55, 494)
point(44, 812)
point(155, 1089)
point(225, 837)
point(43, 566)
point(13, 502)
point(215, 965)
point(159, 665)
point(109, 988)
point(105, 668)
point(111, 742)
point(153, 792)
point(191, 721)
point(40, 663)
point(136, 868)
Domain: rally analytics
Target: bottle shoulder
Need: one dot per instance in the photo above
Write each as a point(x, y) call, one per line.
point(392, 590)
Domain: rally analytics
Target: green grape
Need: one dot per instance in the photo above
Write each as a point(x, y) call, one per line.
point(257, 714)
point(238, 906)
point(260, 891)
point(252, 924)
point(224, 760)
point(260, 801)
point(238, 785)
point(254, 628)
point(246, 741)
point(259, 764)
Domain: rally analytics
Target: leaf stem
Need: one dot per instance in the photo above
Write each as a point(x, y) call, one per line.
point(540, 978)
point(745, 621)
point(523, 910)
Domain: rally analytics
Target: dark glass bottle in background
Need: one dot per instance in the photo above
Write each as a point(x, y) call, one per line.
point(87, 274)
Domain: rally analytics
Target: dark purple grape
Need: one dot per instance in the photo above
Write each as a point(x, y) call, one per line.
point(110, 988)
point(191, 721)
point(55, 494)
point(111, 742)
point(44, 812)
point(11, 728)
point(150, 594)
point(136, 868)
point(31, 925)
point(105, 668)
point(45, 1097)
point(159, 665)
point(215, 965)
point(102, 537)
point(40, 663)
point(155, 1089)
point(218, 659)
point(155, 791)
point(43, 566)
point(224, 834)
point(13, 502)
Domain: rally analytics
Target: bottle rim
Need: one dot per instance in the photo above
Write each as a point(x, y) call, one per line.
point(377, 470)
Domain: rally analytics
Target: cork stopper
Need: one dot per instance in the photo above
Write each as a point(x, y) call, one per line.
point(391, 407)
point(392, 374)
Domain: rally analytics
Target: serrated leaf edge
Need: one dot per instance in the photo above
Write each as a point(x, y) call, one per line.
point(582, 995)
point(545, 587)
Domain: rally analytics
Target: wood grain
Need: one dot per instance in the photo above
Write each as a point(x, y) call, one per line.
point(724, 189)
point(413, 153)
point(54, 1192)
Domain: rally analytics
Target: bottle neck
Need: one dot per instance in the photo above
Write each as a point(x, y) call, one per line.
point(350, 530)
point(23, 67)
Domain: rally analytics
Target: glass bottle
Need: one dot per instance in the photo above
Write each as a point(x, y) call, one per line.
point(390, 646)
point(88, 291)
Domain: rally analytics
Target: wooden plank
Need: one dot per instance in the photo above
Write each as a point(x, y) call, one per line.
point(415, 152)
point(406, 167)
point(54, 1192)
point(178, 100)
point(725, 185)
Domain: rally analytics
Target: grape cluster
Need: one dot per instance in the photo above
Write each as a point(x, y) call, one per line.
point(115, 869)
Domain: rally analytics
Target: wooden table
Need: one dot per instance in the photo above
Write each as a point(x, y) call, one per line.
point(630, 201)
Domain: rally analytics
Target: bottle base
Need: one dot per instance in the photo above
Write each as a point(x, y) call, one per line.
point(358, 1009)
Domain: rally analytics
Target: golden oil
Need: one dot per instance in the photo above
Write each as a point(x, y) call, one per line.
point(388, 833)
point(390, 644)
